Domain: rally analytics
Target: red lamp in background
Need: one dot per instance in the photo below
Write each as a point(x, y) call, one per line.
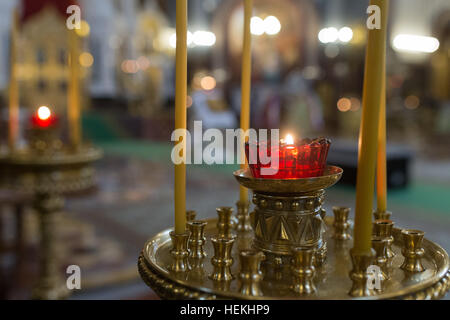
point(43, 118)
point(304, 159)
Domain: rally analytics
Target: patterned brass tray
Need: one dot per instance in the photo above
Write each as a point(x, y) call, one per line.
point(332, 279)
point(63, 172)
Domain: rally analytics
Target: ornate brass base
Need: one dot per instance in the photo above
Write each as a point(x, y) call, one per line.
point(50, 175)
point(331, 280)
point(288, 213)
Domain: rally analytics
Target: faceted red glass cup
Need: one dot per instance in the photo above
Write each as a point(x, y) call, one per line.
point(304, 159)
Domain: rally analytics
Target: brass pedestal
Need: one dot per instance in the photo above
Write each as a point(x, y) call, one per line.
point(288, 213)
point(50, 176)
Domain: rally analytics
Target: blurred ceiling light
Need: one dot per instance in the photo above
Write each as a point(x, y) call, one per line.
point(272, 25)
point(208, 83)
point(86, 59)
point(84, 29)
point(345, 34)
point(344, 104)
point(257, 26)
point(173, 39)
point(328, 35)
point(415, 43)
point(204, 38)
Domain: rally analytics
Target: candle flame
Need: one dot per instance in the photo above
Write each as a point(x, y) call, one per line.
point(289, 139)
point(44, 113)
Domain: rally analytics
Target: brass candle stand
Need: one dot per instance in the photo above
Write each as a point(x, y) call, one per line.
point(50, 170)
point(294, 251)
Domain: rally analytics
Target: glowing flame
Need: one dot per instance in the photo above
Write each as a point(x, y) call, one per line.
point(44, 113)
point(289, 139)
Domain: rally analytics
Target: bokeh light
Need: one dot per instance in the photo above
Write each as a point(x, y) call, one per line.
point(257, 26)
point(86, 59)
point(84, 29)
point(44, 113)
point(345, 34)
point(344, 104)
point(208, 83)
point(272, 25)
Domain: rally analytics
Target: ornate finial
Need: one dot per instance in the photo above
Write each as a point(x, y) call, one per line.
point(180, 252)
point(413, 251)
point(222, 259)
point(251, 274)
point(197, 239)
point(224, 224)
point(379, 244)
point(243, 223)
point(383, 228)
point(341, 225)
point(360, 275)
point(382, 215)
point(303, 270)
point(190, 215)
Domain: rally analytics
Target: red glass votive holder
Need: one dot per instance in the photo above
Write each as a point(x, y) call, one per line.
point(304, 159)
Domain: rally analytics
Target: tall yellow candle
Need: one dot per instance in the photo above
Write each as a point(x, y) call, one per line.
point(245, 87)
point(73, 102)
point(180, 112)
point(368, 138)
point(13, 127)
point(381, 157)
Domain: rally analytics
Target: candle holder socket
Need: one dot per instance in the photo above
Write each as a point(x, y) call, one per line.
point(224, 223)
point(382, 215)
point(251, 274)
point(341, 224)
point(383, 229)
point(413, 251)
point(197, 239)
point(360, 275)
point(190, 215)
point(302, 270)
point(179, 251)
point(243, 218)
point(379, 244)
point(222, 259)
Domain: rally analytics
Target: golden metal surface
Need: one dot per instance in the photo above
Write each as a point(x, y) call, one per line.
point(197, 239)
point(224, 222)
point(360, 275)
point(222, 259)
point(331, 279)
point(331, 175)
point(303, 271)
point(288, 213)
point(251, 275)
point(383, 229)
point(243, 218)
point(341, 225)
point(179, 252)
point(413, 251)
point(61, 172)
